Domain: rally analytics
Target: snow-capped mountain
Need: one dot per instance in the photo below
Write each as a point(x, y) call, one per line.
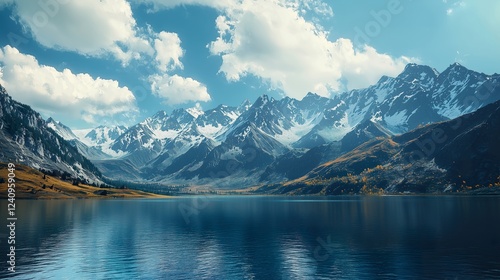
point(155, 143)
point(94, 143)
point(102, 135)
point(213, 122)
point(99, 140)
point(26, 138)
point(240, 142)
point(286, 120)
point(88, 150)
point(467, 161)
point(419, 95)
point(297, 163)
point(62, 130)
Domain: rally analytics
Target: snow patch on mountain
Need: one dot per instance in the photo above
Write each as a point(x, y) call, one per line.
point(292, 135)
point(164, 134)
point(195, 111)
point(81, 133)
point(62, 130)
point(211, 131)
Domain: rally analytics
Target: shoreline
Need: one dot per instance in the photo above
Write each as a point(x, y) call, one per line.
point(147, 196)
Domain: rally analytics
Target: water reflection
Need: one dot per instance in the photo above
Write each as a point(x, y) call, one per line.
point(259, 238)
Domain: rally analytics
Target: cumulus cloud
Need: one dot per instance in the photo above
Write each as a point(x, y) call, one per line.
point(168, 51)
point(91, 27)
point(101, 28)
point(272, 40)
point(178, 90)
point(77, 96)
point(174, 89)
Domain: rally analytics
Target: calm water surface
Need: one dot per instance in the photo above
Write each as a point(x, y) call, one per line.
point(258, 238)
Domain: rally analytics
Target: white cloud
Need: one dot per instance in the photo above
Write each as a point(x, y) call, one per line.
point(174, 89)
point(362, 68)
point(168, 51)
point(177, 90)
point(90, 27)
point(76, 96)
point(101, 28)
point(274, 42)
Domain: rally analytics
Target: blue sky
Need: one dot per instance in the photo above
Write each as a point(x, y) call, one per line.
point(93, 62)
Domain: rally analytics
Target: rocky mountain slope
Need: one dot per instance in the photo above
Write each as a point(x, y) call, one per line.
point(452, 156)
point(26, 138)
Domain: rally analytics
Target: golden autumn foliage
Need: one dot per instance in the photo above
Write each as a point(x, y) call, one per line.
point(33, 184)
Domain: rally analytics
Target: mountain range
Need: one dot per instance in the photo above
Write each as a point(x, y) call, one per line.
point(273, 141)
point(451, 156)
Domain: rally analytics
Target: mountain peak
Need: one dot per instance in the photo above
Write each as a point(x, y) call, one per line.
point(413, 67)
point(160, 114)
point(410, 66)
point(456, 67)
point(263, 100)
point(383, 79)
point(195, 111)
point(415, 72)
point(182, 116)
point(311, 95)
point(244, 106)
point(456, 71)
point(246, 102)
point(57, 125)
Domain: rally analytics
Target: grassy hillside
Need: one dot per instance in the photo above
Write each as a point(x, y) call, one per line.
point(33, 184)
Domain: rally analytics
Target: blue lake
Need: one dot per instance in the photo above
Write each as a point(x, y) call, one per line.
point(216, 237)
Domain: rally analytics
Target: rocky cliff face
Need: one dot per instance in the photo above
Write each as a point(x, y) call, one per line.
point(26, 138)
